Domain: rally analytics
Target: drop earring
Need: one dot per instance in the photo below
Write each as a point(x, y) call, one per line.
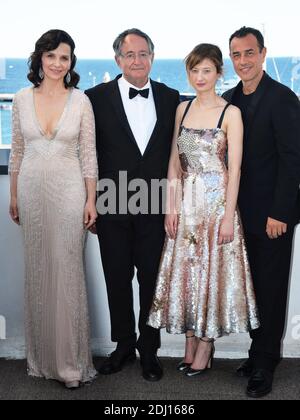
point(41, 73)
point(68, 78)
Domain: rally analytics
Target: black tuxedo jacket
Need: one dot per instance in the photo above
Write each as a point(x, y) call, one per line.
point(271, 162)
point(116, 146)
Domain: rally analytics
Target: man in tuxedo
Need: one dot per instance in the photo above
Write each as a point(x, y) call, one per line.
point(268, 198)
point(134, 124)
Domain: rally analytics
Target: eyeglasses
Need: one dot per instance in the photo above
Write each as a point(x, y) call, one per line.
point(132, 56)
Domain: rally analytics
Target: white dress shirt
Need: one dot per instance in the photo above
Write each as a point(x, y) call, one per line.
point(140, 112)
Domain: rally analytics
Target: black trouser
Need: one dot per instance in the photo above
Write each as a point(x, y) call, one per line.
point(270, 262)
point(126, 245)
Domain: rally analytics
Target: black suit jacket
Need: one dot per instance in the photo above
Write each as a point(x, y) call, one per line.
point(116, 146)
point(271, 162)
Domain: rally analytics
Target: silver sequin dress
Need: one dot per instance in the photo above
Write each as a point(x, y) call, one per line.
point(201, 285)
point(51, 201)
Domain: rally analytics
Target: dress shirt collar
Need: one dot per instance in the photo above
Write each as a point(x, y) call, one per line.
point(126, 85)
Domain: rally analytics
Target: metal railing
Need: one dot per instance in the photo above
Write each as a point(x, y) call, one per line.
point(5, 106)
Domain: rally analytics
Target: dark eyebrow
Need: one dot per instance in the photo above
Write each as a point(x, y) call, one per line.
point(140, 51)
point(63, 55)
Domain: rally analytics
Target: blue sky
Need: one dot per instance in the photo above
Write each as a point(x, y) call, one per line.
point(176, 26)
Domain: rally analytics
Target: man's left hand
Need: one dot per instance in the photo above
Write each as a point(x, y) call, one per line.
point(275, 229)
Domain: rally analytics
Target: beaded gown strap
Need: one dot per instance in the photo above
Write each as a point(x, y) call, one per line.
point(222, 116)
point(186, 111)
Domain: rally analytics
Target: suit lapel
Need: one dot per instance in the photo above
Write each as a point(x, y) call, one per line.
point(116, 100)
point(158, 106)
point(255, 102)
point(229, 96)
point(258, 96)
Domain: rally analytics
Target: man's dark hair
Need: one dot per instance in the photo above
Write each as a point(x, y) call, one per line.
point(244, 31)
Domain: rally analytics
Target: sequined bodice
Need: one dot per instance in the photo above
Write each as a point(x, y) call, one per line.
point(202, 150)
point(73, 141)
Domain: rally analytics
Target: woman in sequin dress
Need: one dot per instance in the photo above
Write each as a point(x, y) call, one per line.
point(204, 286)
point(53, 168)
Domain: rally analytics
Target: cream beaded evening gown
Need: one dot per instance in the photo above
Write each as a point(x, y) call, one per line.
point(51, 201)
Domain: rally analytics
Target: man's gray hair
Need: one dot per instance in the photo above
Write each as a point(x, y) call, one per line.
point(117, 46)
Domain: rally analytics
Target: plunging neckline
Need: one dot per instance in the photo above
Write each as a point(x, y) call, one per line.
point(60, 120)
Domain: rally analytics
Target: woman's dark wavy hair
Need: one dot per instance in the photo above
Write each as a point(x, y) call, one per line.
point(49, 42)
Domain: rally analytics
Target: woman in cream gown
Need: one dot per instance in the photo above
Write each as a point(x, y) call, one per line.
point(53, 170)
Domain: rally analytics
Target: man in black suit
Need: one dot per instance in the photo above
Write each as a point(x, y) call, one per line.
point(134, 123)
point(269, 197)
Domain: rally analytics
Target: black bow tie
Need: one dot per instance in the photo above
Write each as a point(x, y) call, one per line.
point(134, 92)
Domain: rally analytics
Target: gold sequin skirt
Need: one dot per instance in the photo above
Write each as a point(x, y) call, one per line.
point(203, 286)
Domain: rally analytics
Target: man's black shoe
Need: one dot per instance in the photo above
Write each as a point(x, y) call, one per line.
point(260, 383)
point(116, 362)
point(245, 370)
point(151, 367)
